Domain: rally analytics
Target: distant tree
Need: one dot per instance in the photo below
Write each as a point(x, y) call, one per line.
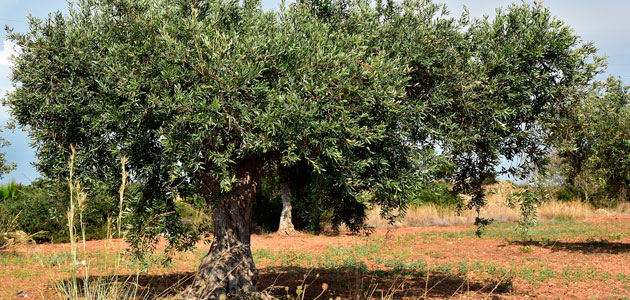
point(5, 165)
point(594, 144)
point(519, 76)
point(286, 219)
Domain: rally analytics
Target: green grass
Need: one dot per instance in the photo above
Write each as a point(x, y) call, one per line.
point(356, 258)
point(393, 258)
point(54, 259)
point(9, 258)
point(400, 256)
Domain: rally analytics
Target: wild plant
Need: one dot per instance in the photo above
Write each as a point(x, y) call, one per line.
point(105, 287)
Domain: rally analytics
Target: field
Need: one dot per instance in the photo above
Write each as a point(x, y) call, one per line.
point(585, 259)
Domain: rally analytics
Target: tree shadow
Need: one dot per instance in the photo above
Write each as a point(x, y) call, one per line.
point(324, 283)
point(375, 284)
point(588, 247)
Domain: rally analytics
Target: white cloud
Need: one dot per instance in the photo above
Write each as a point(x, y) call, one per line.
point(9, 49)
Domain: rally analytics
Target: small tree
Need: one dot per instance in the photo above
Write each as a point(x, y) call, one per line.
point(593, 143)
point(520, 75)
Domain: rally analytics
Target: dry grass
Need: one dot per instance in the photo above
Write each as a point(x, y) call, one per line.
point(11, 239)
point(83, 286)
point(497, 209)
point(556, 210)
point(9, 235)
point(623, 208)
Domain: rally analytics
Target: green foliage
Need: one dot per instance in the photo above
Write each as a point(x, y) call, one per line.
point(8, 224)
point(5, 166)
point(594, 144)
point(194, 93)
point(438, 193)
point(40, 212)
point(564, 194)
point(197, 217)
point(355, 98)
point(9, 190)
point(521, 71)
point(41, 207)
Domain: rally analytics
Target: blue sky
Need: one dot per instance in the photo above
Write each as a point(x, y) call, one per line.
point(605, 22)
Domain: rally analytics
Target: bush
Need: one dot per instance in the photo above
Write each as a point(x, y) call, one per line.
point(194, 212)
point(564, 194)
point(42, 208)
point(438, 193)
point(38, 212)
point(8, 219)
point(8, 225)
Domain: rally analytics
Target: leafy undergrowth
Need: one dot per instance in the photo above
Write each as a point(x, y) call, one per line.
point(563, 259)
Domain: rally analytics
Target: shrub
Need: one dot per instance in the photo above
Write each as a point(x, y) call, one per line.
point(438, 193)
point(7, 226)
point(564, 194)
point(38, 212)
point(9, 191)
point(42, 208)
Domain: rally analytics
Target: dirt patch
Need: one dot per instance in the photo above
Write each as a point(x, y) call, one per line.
point(575, 260)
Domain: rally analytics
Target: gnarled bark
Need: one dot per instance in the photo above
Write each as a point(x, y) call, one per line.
point(228, 268)
point(286, 223)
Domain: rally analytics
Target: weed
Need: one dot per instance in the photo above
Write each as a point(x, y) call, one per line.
point(526, 249)
point(55, 259)
point(85, 287)
point(446, 268)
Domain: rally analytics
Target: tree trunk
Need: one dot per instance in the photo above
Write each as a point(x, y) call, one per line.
point(286, 223)
point(228, 268)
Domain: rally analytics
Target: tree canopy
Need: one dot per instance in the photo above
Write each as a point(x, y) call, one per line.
point(523, 71)
point(594, 143)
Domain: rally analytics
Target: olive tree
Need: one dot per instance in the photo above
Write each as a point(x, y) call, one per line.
point(201, 96)
point(204, 96)
point(594, 143)
point(522, 72)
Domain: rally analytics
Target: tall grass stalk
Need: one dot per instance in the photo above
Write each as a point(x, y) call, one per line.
point(121, 192)
point(73, 293)
point(106, 287)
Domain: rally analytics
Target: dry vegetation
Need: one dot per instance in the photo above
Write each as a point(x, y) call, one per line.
point(9, 236)
point(496, 209)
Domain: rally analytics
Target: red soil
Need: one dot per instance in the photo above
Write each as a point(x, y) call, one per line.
point(611, 258)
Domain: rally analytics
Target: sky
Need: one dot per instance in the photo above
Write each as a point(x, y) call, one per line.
point(604, 22)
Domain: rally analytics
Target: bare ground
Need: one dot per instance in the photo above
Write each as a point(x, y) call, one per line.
point(576, 260)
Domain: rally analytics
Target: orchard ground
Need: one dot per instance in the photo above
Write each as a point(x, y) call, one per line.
point(580, 259)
